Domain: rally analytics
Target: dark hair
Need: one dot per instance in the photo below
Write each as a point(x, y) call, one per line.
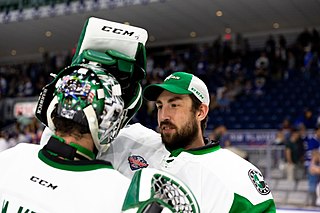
point(68, 127)
point(196, 103)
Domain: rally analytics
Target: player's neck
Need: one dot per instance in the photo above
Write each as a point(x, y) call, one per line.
point(197, 143)
point(68, 151)
point(84, 141)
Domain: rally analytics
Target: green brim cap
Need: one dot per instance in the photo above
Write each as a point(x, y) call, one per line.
point(179, 83)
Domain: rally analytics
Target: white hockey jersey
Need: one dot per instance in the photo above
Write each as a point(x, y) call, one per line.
point(220, 180)
point(32, 180)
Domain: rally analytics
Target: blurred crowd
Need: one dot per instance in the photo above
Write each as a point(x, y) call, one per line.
point(301, 153)
point(27, 79)
point(299, 157)
point(230, 68)
point(25, 130)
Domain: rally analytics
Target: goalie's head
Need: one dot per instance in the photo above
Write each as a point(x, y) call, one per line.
point(87, 95)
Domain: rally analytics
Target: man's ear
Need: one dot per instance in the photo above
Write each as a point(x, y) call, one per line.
point(203, 111)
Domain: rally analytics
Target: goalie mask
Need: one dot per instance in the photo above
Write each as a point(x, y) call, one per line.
point(127, 70)
point(87, 95)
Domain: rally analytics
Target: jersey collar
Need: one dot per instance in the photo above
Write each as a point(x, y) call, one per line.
point(71, 165)
point(57, 146)
point(211, 146)
point(56, 153)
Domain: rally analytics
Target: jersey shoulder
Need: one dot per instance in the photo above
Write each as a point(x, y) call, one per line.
point(138, 132)
point(20, 149)
point(17, 155)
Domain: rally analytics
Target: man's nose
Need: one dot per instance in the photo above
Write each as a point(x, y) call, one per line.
point(164, 114)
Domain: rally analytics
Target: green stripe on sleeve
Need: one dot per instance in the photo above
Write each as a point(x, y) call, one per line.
point(243, 205)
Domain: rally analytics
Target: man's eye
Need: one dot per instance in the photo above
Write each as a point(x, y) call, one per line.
point(159, 107)
point(174, 105)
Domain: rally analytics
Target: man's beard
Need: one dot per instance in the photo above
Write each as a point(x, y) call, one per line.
point(183, 137)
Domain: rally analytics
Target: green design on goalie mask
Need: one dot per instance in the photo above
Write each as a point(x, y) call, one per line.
point(91, 97)
point(127, 70)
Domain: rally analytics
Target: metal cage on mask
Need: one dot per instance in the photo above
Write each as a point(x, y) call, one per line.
point(88, 95)
point(127, 70)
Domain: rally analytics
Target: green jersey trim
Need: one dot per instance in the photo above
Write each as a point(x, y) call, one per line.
point(242, 204)
point(83, 151)
point(132, 197)
point(199, 151)
point(70, 165)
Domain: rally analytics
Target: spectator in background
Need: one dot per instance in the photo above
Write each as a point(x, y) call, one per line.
point(281, 57)
point(311, 62)
point(291, 66)
point(223, 98)
point(201, 69)
point(213, 102)
point(12, 88)
point(280, 138)
point(312, 144)
point(286, 128)
point(22, 121)
point(262, 63)
point(248, 87)
point(12, 138)
point(3, 86)
point(217, 49)
point(40, 83)
point(220, 134)
point(259, 85)
point(318, 117)
point(304, 38)
point(33, 131)
point(270, 47)
point(24, 87)
point(261, 74)
point(314, 170)
point(150, 65)
point(303, 132)
point(293, 154)
point(307, 118)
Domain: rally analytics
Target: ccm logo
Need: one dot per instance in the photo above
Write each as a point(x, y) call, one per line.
point(117, 31)
point(43, 182)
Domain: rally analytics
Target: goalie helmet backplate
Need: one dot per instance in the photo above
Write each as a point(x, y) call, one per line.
point(87, 95)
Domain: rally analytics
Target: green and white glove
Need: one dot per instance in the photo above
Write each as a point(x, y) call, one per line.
point(120, 50)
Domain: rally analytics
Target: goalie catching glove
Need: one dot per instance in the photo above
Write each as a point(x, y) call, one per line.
point(153, 191)
point(120, 50)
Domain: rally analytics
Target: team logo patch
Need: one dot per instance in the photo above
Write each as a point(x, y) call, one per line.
point(258, 182)
point(137, 162)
